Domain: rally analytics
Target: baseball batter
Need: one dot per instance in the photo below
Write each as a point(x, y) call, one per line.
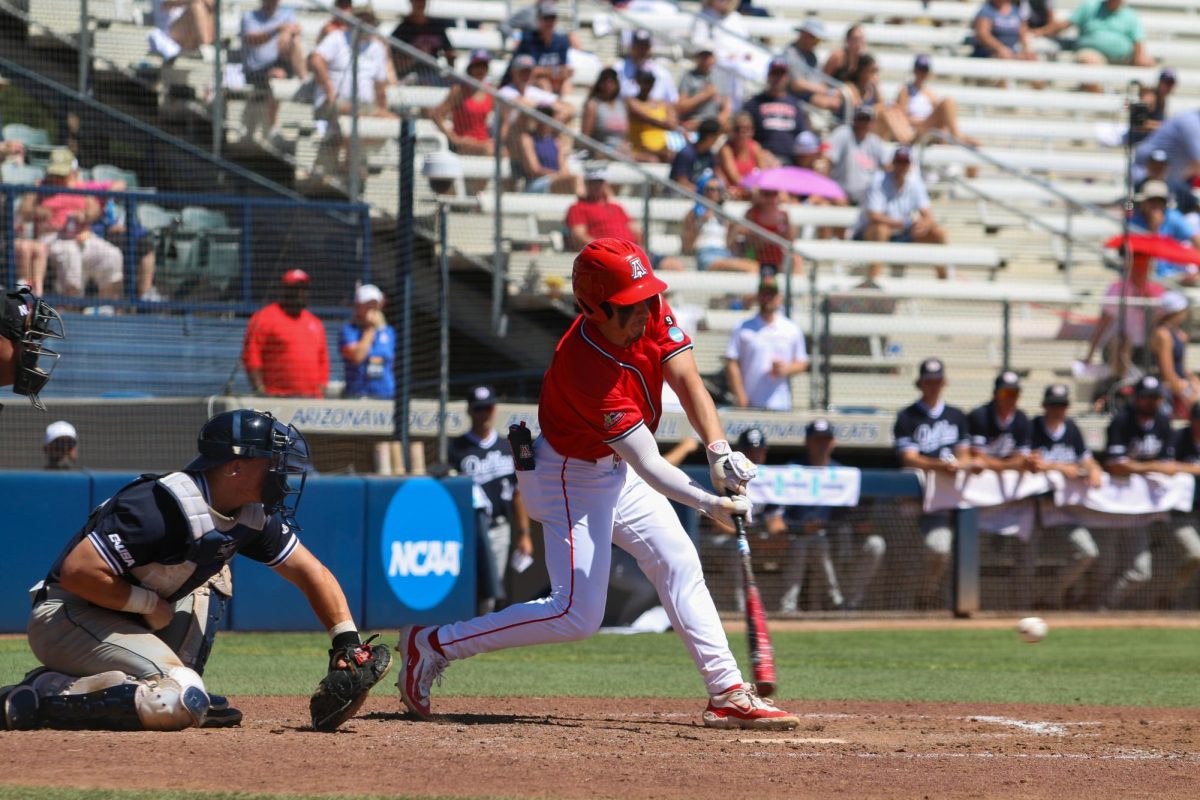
point(125, 618)
point(26, 322)
point(599, 480)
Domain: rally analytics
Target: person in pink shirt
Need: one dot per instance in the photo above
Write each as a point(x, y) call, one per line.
point(1121, 352)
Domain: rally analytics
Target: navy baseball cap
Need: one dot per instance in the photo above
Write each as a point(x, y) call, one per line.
point(481, 396)
point(1007, 380)
point(777, 65)
point(1148, 386)
point(902, 155)
point(546, 10)
point(1167, 75)
point(922, 62)
point(641, 36)
point(932, 368)
point(523, 61)
point(1057, 394)
point(864, 112)
point(480, 56)
point(818, 428)
point(751, 438)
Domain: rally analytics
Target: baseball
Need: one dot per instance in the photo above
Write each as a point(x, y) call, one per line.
point(1032, 629)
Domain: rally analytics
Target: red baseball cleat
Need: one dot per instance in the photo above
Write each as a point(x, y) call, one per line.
point(741, 707)
point(422, 667)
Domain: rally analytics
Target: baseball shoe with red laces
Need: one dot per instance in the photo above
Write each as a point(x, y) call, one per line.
point(741, 707)
point(422, 667)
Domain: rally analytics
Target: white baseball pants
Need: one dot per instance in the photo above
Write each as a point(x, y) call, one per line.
point(584, 508)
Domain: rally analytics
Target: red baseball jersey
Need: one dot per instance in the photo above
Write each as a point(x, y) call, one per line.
point(596, 393)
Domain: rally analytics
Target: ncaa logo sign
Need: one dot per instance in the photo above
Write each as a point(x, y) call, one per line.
point(422, 543)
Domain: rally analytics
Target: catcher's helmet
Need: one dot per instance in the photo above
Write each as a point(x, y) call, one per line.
point(612, 272)
point(28, 321)
point(246, 433)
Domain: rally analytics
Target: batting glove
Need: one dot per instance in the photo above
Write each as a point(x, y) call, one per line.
point(729, 471)
point(724, 509)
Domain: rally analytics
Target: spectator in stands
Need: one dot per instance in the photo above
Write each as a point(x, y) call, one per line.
point(698, 159)
point(32, 255)
point(427, 34)
point(548, 48)
point(897, 209)
point(806, 153)
point(1155, 98)
point(1039, 16)
point(1185, 448)
point(539, 157)
point(520, 88)
point(806, 79)
point(468, 109)
point(284, 350)
point(1122, 351)
point(1179, 138)
point(271, 48)
point(640, 59)
point(842, 63)
point(778, 116)
point(1139, 442)
point(336, 23)
point(720, 27)
point(924, 111)
point(63, 223)
point(61, 446)
point(764, 352)
point(766, 212)
point(596, 216)
point(605, 116)
point(933, 436)
point(368, 347)
point(1110, 32)
point(1000, 432)
point(707, 236)
point(741, 155)
point(1154, 215)
point(332, 67)
point(699, 97)
point(856, 154)
point(180, 26)
point(1168, 345)
point(890, 121)
point(1057, 446)
point(1001, 31)
point(116, 228)
point(649, 122)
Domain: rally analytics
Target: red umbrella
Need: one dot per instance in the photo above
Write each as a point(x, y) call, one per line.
point(794, 180)
point(1162, 247)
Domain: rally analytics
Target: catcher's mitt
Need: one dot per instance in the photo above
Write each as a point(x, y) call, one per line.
point(342, 691)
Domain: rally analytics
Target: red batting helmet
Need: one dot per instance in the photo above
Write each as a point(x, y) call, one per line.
point(612, 272)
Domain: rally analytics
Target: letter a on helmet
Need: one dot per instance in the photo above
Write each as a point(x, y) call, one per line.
point(609, 273)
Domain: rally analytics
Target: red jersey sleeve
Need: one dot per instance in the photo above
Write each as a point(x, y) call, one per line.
point(671, 338)
point(252, 342)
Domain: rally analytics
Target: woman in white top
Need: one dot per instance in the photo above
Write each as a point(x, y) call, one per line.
point(707, 236)
point(924, 110)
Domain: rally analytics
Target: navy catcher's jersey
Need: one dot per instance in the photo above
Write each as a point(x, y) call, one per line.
point(918, 429)
point(997, 439)
point(1067, 447)
point(1185, 447)
point(144, 536)
point(1128, 438)
point(489, 463)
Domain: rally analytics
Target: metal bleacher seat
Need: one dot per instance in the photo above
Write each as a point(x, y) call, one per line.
point(21, 174)
point(203, 253)
point(108, 172)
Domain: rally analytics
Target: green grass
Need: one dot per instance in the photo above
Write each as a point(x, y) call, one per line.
point(42, 793)
point(1109, 666)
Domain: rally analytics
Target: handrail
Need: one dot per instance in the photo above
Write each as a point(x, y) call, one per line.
point(1073, 205)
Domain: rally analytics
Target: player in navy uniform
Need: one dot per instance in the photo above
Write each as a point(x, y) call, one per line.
point(1139, 442)
point(26, 322)
point(484, 456)
point(124, 620)
point(1186, 448)
point(1057, 446)
point(999, 430)
point(933, 436)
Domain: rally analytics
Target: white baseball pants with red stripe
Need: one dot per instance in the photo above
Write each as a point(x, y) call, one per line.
point(584, 508)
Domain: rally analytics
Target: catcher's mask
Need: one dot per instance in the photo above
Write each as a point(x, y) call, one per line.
point(28, 321)
point(246, 433)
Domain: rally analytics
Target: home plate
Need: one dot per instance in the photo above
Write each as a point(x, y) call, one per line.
point(792, 741)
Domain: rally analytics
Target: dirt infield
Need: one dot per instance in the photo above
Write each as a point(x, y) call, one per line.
point(585, 748)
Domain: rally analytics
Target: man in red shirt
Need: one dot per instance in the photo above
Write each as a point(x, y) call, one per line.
point(284, 350)
point(599, 480)
point(596, 216)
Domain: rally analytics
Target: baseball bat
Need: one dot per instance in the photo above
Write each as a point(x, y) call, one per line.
point(762, 655)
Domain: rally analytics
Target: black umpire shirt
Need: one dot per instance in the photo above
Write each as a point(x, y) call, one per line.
point(995, 438)
point(1130, 438)
point(489, 463)
point(931, 432)
point(1067, 447)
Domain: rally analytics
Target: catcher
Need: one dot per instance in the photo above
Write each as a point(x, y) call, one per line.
point(124, 621)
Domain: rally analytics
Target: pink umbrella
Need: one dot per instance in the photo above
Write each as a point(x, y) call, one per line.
point(794, 180)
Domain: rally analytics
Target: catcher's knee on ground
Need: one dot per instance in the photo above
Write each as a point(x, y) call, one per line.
point(109, 701)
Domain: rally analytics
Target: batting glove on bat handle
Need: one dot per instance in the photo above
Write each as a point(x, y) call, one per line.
point(729, 470)
point(729, 510)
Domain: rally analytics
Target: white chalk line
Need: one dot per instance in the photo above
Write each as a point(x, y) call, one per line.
point(792, 741)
